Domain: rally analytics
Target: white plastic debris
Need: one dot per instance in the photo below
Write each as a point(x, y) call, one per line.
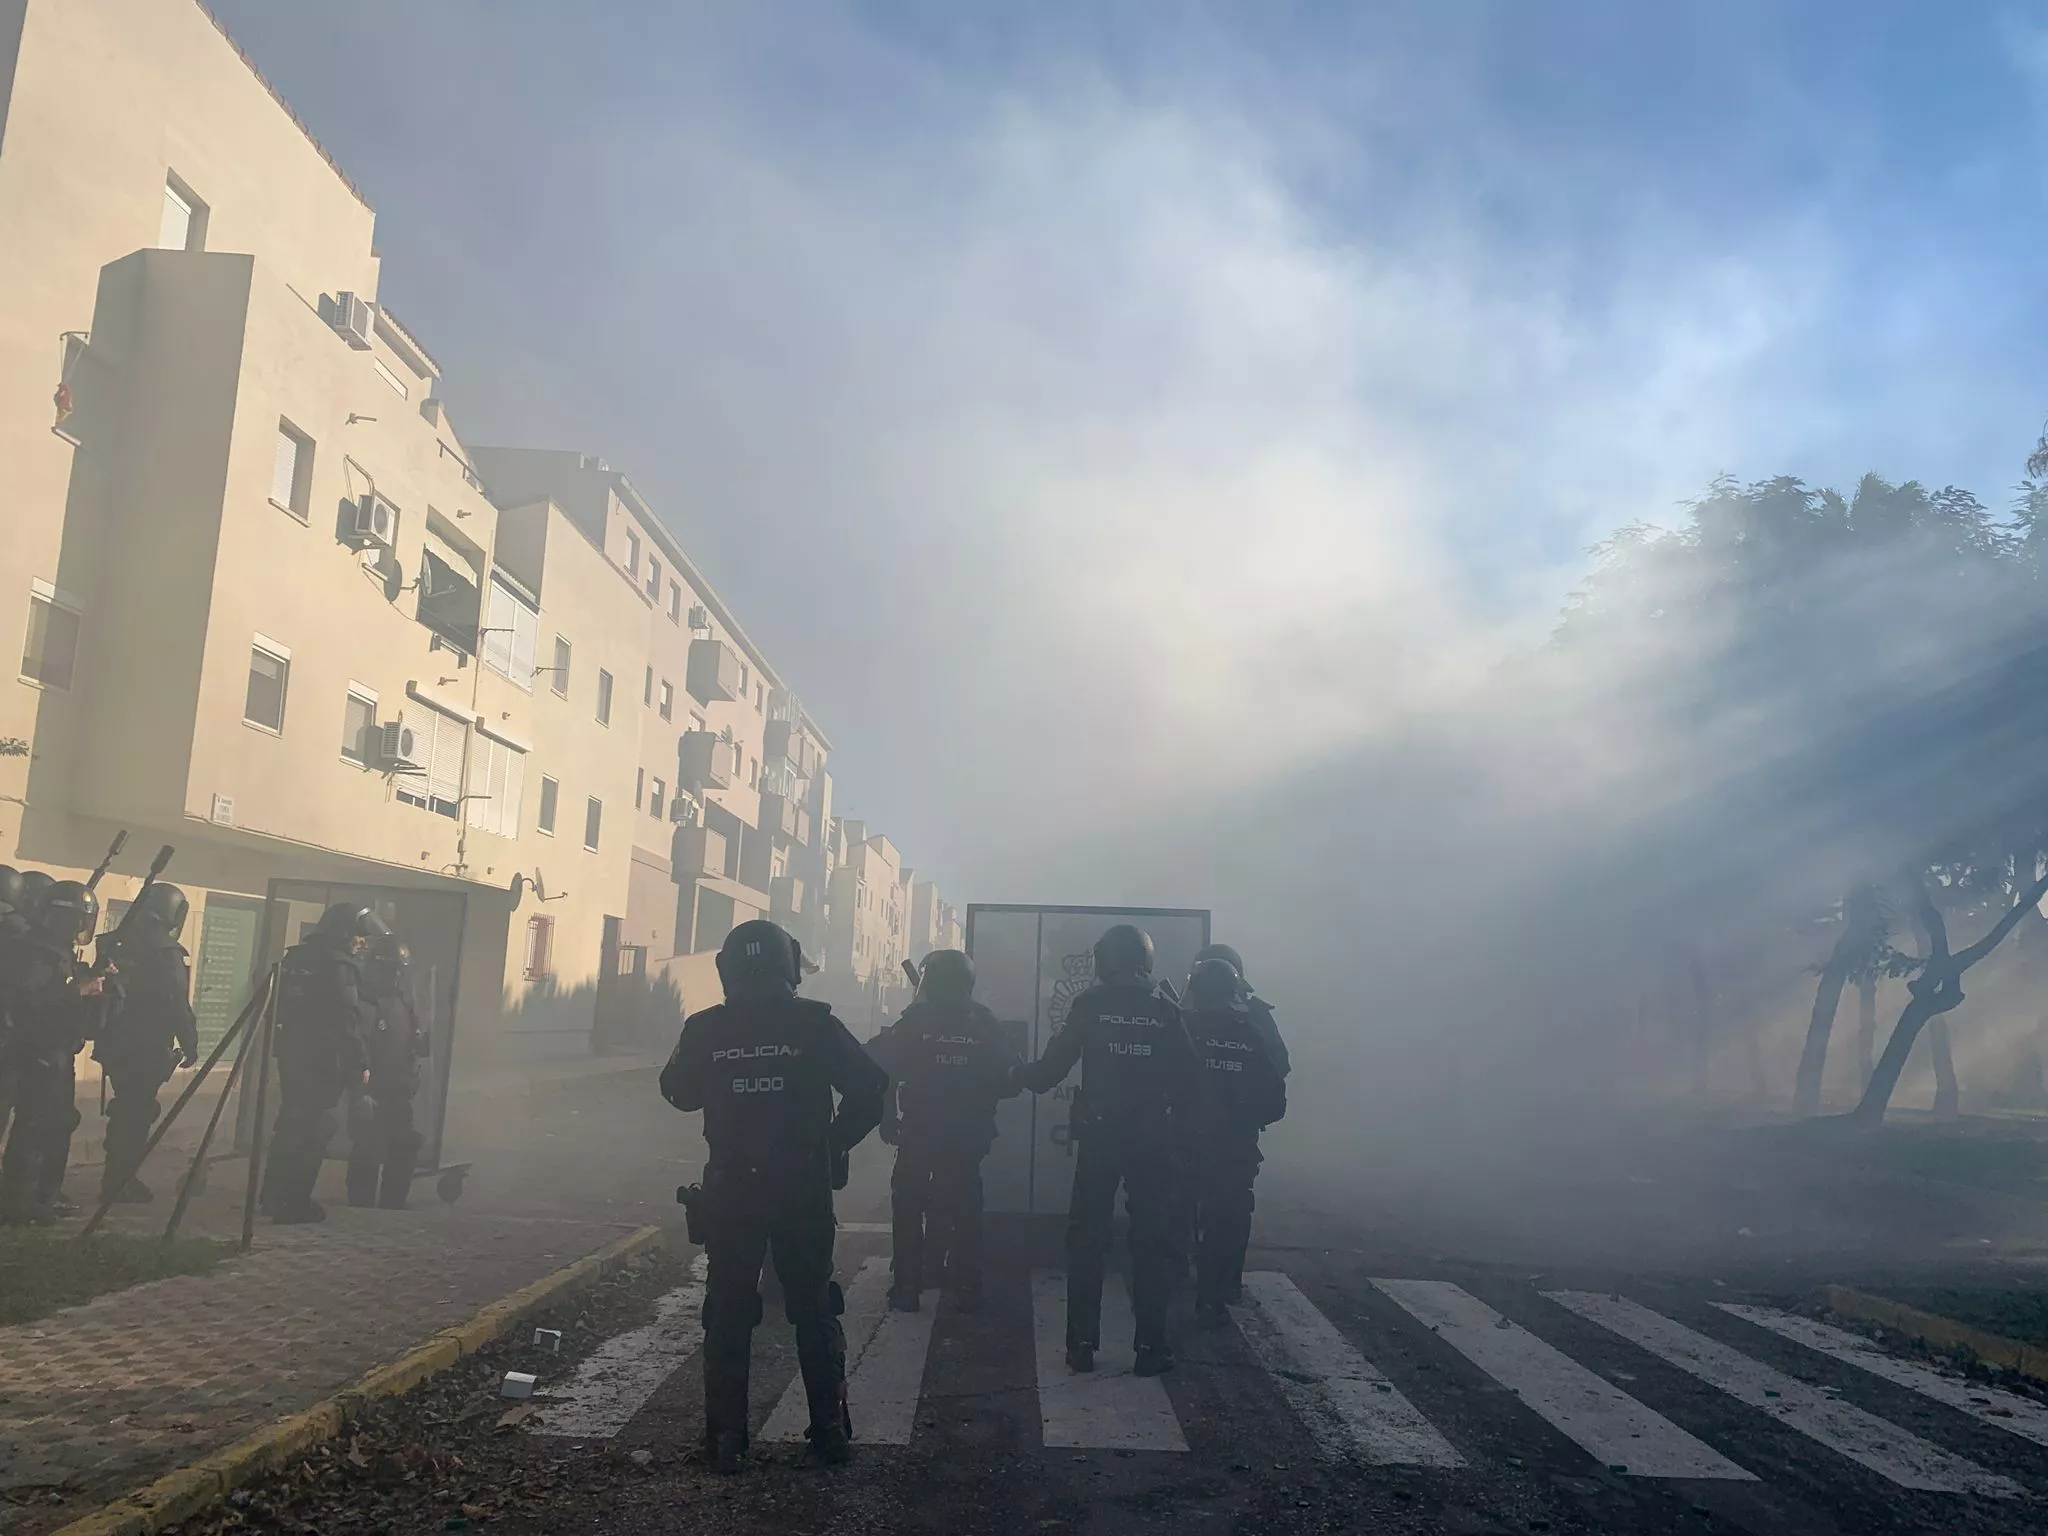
point(517, 1384)
point(549, 1339)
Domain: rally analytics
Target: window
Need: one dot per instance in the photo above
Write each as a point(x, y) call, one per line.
point(668, 700)
point(497, 784)
point(753, 774)
point(739, 758)
point(550, 793)
point(561, 672)
point(359, 726)
point(183, 227)
point(593, 822)
point(49, 652)
point(745, 682)
point(435, 781)
point(540, 947)
point(657, 799)
point(639, 788)
point(647, 688)
point(654, 578)
point(604, 698)
point(632, 553)
point(291, 470)
point(270, 674)
point(675, 603)
point(760, 698)
point(511, 631)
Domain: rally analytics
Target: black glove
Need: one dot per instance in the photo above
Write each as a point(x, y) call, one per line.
point(188, 1055)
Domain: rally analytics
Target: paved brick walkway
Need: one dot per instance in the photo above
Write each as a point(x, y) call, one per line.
point(98, 1398)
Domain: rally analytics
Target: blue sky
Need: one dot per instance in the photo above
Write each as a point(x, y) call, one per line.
point(1093, 403)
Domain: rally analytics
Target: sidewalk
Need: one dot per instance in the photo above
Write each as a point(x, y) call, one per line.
point(98, 1398)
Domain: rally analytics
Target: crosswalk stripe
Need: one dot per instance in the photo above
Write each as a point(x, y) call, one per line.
point(1348, 1407)
point(885, 1355)
point(1994, 1406)
point(1107, 1408)
point(1602, 1419)
point(615, 1380)
point(1892, 1453)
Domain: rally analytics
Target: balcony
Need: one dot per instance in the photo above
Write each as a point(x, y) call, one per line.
point(696, 852)
point(787, 740)
point(714, 672)
point(780, 816)
point(703, 761)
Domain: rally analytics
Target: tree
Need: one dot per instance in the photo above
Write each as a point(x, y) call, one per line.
point(1863, 949)
point(1937, 988)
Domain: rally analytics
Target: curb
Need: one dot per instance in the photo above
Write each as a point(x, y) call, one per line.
point(2028, 1360)
point(178, 1496)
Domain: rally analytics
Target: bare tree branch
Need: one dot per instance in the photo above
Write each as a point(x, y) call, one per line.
point(2006, 924)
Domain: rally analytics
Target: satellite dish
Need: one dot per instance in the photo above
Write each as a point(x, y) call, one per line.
point(535, 882)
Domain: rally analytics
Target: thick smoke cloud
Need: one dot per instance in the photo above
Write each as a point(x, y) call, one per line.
point(1149, 445)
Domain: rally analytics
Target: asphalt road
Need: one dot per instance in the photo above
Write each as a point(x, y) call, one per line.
point(1557, 1345)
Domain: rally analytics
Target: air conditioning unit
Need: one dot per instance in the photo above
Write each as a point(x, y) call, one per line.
point(396, 744)
point(353, 318)
point(700, 617)
point(374, 523)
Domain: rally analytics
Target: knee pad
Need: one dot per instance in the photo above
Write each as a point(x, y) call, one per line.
point(732, 1309)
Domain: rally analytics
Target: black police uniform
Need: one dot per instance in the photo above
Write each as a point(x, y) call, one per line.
point(763, 1067)
point(148, 1019)
point(384, 1144)
point(1135, 1064)
point(1238, 1092)
point(948, 1066)
point(49, 1023)
point(320, 1056)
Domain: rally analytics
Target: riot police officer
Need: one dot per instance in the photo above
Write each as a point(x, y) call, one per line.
point(763, 1067)
point(384, 1146)
point(1238, 1093)
point(948, 1065)
point(320, 1053)
point(149, 1019)
point(1259, 1010)
point(1136, 1063)
point(52, 1002)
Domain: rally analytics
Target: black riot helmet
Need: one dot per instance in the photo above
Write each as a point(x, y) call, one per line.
point(346, 921)
point(1124, 953)
point(759, 951)
point(161, 909)
point(1223, 952)
point(947, 977)
point(389, 957)
point(34, 882)
point(11, 896)
point(66, 913)
point(1213, 983)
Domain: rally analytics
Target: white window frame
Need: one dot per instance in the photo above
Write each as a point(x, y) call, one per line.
point(657, 799)
point(55, 597)
point(632, 554)
point(358, 694)
point(511, 632)
point(592, 805)
point(298, 496)
point(665, 700)
point(547, 828)
point(277, 652)
point(194, 210)
point(605, 685)
point(564, 658)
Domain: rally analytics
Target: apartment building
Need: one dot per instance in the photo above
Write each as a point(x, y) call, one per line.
point(277, 612)
point(933, 922)
point(730, 793)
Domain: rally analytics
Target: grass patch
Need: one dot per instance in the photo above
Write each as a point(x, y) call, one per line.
point(2021, 1316)
point(41, 1271)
